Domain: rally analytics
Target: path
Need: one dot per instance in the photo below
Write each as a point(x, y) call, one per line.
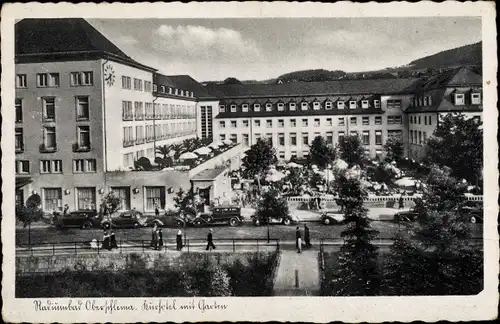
point(300, 270)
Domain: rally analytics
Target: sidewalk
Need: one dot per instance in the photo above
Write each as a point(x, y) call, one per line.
point(298, 274)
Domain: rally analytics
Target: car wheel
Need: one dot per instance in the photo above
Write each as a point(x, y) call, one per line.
point(137, 225)
point(179, 223)
point(87, 225)
point(105, 225)
point(256, 222)
point(198, 222)
point(287, 221)
point(327, 221)
point(209, 219)
point(234, 221)
point(473, 220)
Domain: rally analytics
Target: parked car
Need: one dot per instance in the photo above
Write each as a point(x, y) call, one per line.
point(289, 219)
point(407, 215)
point(332, 217)
point(126, 219)
point(472, 211)
point(230, 215)
point(179, 219)
point(79, 218)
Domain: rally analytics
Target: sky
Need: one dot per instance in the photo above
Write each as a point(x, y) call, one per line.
point(264, 48)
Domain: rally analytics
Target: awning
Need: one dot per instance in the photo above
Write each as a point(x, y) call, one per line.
point(23, 181)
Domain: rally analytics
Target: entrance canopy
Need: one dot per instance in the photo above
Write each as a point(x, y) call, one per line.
point(23, 181)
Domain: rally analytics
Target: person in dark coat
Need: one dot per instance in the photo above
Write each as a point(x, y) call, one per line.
point(160, 240)
point(210, 242)
point(179, 240)
point(112, 241)
point(307, 237)
point(401, 202)
point(154, 237)
point(297, 237)
point(157, 211)
point(105, 242)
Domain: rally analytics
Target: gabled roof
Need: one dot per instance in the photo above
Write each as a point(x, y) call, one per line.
point(65, 37)
point(182, 82)
point(462, 76)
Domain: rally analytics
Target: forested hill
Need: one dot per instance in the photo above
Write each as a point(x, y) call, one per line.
point(464, 55)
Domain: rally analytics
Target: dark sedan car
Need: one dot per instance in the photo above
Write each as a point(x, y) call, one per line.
point(230, 215)
point(80, 218)
point(409, 215)
point(126, 219)
point(332, 217)
point(472, 211)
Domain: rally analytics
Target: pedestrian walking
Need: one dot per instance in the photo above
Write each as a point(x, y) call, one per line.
point(210, 242)
point(160, 239)
point(105, 241)
point(157, 211)
point(307, 237)
point(401, 202)
point(297, 237)
point(154, 237)
point(179, 240)
point(112, 241)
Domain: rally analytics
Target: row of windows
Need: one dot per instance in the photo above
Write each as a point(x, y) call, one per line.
point(156, 111)
point(418, 137)
point(53, 79)
point(304, 105)
point(148, 134)
point(417, 120)
point(341, 121)
point(56, 166)
point(138, 84)
point(49, 143)
point(173, 91)
point(49, 109)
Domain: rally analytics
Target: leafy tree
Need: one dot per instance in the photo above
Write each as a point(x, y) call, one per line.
point(143, 164)
point(31, 212)
point(358, 270)
point(351, 150)
point(258, 159)
point(295, 179)
point(272, 205)
point(110, 204)
point(381, 174)
point(231, 80)
point(184, 202)
point(321, 153)
point(394, 149)
point(457, 143)
point(316, 180)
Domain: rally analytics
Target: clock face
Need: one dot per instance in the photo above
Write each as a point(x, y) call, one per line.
point(109, 75)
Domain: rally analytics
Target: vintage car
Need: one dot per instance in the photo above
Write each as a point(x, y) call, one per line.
point(472, 211)
point(408, 215)
point(79, 218)
point(230, 215)
point(126, 219)
point(172, 219)
point(331, 217)
point(289, 219)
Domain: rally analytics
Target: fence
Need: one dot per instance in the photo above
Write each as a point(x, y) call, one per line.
point(75, 247)
point(332, 199)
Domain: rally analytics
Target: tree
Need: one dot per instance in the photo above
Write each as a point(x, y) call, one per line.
point(295, 179)
point(184, 202)
point(258, 159)
point(31, 212)
point(320, 153)
point(358, 270)
point(143, 164)
point(272, 205)
point(110, 204)
point(231, 80)
point(351, 150)
point(394, 149)
point(457, 143)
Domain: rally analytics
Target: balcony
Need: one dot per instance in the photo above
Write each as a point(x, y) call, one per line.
point(45, 149)
point(128, 143)
point(139, 141)
point(79, 148)
point(127, 117)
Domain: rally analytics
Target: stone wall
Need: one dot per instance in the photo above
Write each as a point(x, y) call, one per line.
point(26, 265)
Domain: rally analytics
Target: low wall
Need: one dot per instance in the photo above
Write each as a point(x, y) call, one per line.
point(27, 265)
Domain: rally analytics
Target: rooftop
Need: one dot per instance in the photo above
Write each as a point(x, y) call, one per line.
point(182, 82)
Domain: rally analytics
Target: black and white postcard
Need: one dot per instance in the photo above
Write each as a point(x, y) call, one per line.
point(254, 161)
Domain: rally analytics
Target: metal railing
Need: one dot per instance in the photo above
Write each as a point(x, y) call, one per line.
point(189, 245)
point(374, 198)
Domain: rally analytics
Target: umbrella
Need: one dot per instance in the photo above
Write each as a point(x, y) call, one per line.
point(293, 165)
point(171, 153)
point(219, 143)
point(314, 167)
point(340, 164)
point(203, 151)
point(227, 142)
point(188, 156)
point(214, 145)
point(405, 182)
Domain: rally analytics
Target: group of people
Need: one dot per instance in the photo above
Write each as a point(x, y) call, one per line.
point(157, 239)
point(299, 243)
point(109, 240)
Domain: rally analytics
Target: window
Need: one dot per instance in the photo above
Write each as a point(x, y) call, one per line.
point(41, 80)
point(305, 154)
point(82, 108)
point(281, 155)
point(281, 123)
point(353, 120)
point(256, 107)
point(304, 105)
point(222, 137)
point(378, 137)
point(366, 137)
point(19, 140)
point(293, 139)
point(459, 99)
point(398, 120)
point(341, 136)
point(21, 81)
point(139, 111)
point(19, 110)
point(354, 133)
point(395, 133)
point(305, 122)
point(378, 120)
point(22, 166)
point(364, 104)
point(293, 155)
point(396, 103)
point(293, 123)
point(138, 84)
point(257, 137)
point(147, 86)
point(233, 108)
point(430, 120)
point(419, 120)
point(341, 121)
point(352, 104)
point(257, 123)
point(476, 98)
point(425, 101)
point(233, 124)
point(269, 123)
point(126, 82)
point(83, 78)
point(233, 138)
point(281, 139)
point(281, 106)
point(419, 137)
point(47, 80)
point(84, 165)
point(244, 107)
point(222, 124)
point(340, 105)
point(316, 105)
point(390, 119)
point(329, 122)
point(222, 108)
point(328, 105)
point(49, 109)
point(329, 138)
point(50, 166)
point(365, 120)
point(149, 110)
point(424, 134)
point(425, 120)
point(376, 103)
point(128, 136)
point(305, 139)
point(49, 139)
point(292, 106)
point(245, 124)
point(269, 107)
point(246, 141)
point(52, 199)
point(86, 198)
point(316, 122)
point(411, 136)
point(84, 136)
point(122, 193)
